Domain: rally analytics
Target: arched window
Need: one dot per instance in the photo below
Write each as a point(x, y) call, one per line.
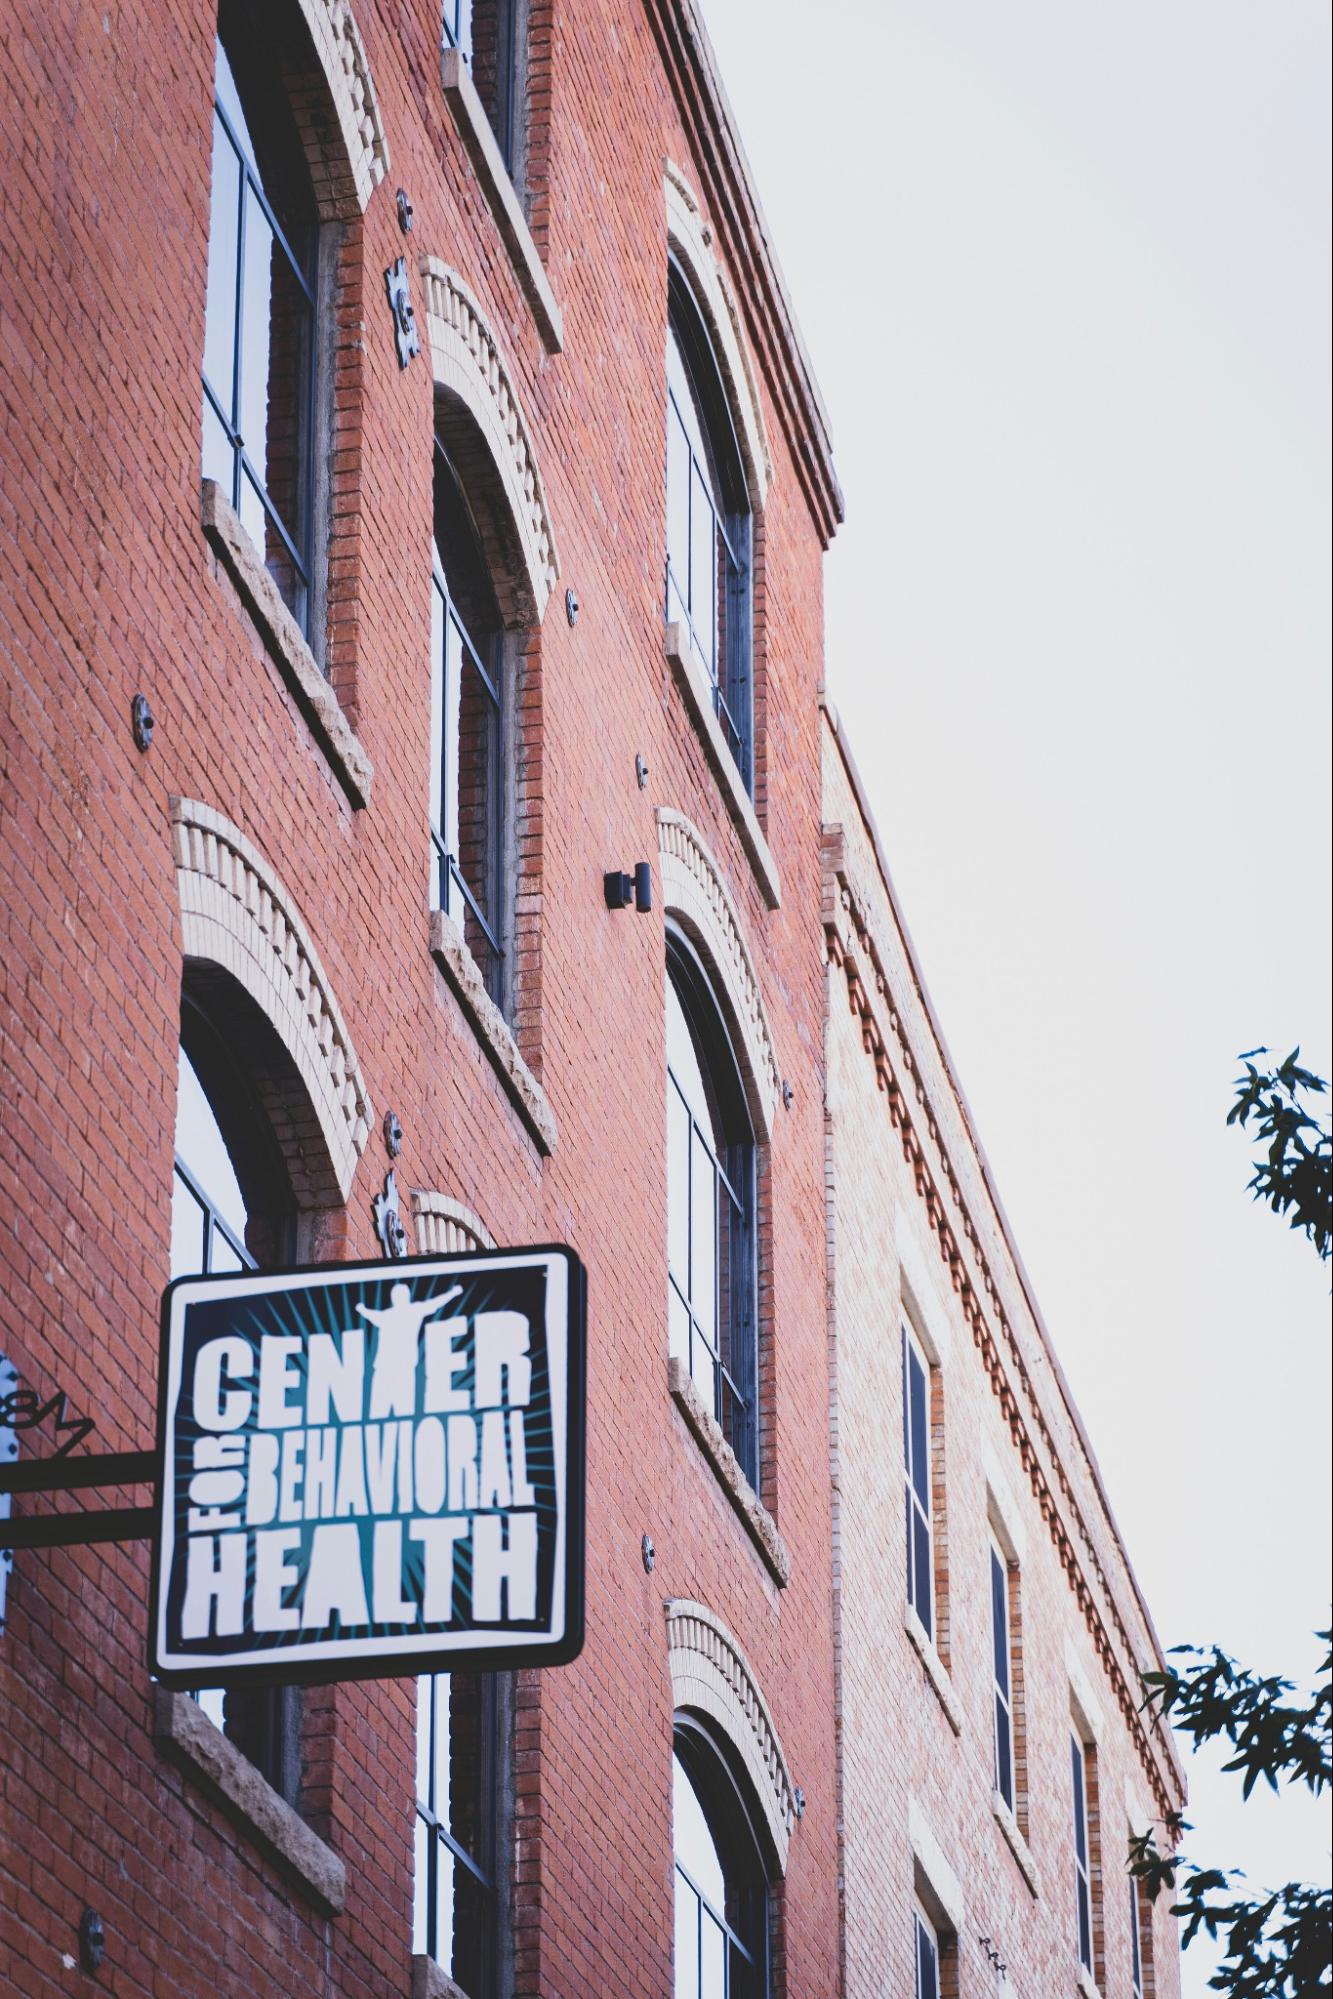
point(467, 715)
point(721, 1884)
point(710, 1207)
point(259, 328)
point(708, 521)
point(456, 1898)
point(230, 1210)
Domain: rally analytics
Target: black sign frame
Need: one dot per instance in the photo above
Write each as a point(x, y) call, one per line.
point(288, 1669)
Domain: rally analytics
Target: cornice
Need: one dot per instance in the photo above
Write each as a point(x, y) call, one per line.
point(851, 949)
point(728, 187)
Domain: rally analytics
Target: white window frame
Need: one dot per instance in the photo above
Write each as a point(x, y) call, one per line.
point(913, 1350)
point(924, 1931)
point(1083, 1858)
point(1004, 1697)
point(1135, 1940)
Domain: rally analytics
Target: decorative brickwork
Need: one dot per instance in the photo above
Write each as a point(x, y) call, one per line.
point(235, 913)
point(710, 1675)
point(691, 240)
point(852, 949)
point(444, 1227)
point(342, 57)
point(694, 892)
point(467, 363)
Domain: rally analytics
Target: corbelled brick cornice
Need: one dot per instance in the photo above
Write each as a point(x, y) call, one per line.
point(852, 950)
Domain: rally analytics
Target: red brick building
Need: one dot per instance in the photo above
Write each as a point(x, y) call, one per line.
point(413, 509)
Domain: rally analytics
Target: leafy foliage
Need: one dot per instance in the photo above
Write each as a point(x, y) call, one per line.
point(1296, 1172)
point(1277, 1944)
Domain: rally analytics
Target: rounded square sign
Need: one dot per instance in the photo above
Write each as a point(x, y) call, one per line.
point(371, 1469)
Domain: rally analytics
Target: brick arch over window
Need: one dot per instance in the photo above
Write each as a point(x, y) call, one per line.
point(444, 1227)
point(469, 371)
point(236, 915)
point(691, 242)
point(694, 893)
point(347, 167)
point(711, 1676)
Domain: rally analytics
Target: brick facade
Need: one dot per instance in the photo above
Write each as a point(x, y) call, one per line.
point(269, 853)
point(916, 1235)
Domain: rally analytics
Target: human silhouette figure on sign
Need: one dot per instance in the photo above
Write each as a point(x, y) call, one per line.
point(398, 1329)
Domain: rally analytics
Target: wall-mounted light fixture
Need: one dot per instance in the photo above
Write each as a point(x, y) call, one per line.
point(621, 889)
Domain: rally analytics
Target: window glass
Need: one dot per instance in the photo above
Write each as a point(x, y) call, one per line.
point(466, 780)
point(454, 1892)
point(916, 1449)
point(707, 522)
point(258, 362)
point(720, 1906)
point(208, 1222)
point(927, 1959)
point(1001, 1655)
point(1082, 1888)
point(710, 1179)
point(202, 1151)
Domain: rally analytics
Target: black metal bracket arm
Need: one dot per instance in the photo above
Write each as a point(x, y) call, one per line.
point(67, 1530)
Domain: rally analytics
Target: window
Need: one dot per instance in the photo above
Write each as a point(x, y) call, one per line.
point(484, 33)
point(721, 1924)
point(259, 327)
point(710, 1208)
point(927, 1957)
point(466, 778)
point(1002, 1651)
point(456, 1900)
point(1140, 1940)
point(1086, 1863)
point(917, 1455)
point(708, 523)
point(225, 1204)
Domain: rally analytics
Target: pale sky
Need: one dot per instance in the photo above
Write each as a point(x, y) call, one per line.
point(1063, 272)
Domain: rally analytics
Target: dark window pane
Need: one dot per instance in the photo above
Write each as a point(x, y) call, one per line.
point(923, 1602)
point(1000, 1621)
point(467, 775)
point(1080, 1822)
point(920, 1434)
point(927, 1963)
point(1004, 1772)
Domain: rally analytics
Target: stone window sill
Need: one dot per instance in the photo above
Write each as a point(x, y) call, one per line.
point(184, 1733)
point(698, 699)
point(1087, 1984)
point(474, 129)
point(936, 1670)
point(431, 1981)
point(295, 661)
point(755, 1517)
point(462, 971)
point(1018, 1846)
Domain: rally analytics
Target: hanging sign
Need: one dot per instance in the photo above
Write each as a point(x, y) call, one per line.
point(371, 1469)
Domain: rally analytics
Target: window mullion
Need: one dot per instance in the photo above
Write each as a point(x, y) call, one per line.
point(238, 337)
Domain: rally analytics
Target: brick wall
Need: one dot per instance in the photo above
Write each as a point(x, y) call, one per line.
point(913, 1229)
point(110, 588)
